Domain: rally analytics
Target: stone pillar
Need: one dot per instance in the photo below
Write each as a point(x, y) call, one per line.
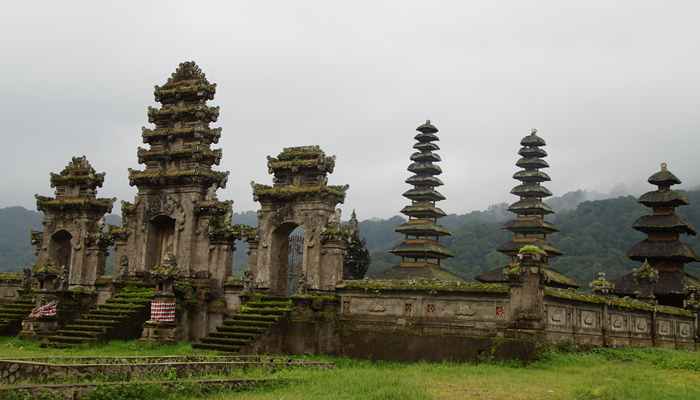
point(331, 268)
point(526, 293)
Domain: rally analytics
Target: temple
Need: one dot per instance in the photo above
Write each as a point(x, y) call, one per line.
point(421, 251)
point(303, 288)
point(662, 276)
point(530, 227)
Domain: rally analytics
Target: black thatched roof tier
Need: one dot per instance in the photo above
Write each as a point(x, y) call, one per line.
point(664, 198)
point(425, 168)
point(663, 223)
point(669, 283)
point(423, 210)
point(425, 156)
point(422, 248)
point(422, 227)
point(531, 176)
point(426, 137)
point(530, 225)
point(662, 250)
point(664, 178)
point(532, 152)
point(427, 127)
point(423, 180)
point(531, 163)
point(427, 146)
point(423, 194)
point(530, 206)
point(552, 277)
point(531, 190)
point(533, 140)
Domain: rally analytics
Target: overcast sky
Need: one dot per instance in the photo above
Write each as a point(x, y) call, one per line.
point(613, 86)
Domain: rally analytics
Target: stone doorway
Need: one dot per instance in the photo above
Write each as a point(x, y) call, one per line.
point(161, 240)
point(61, 249)
point(288, 246)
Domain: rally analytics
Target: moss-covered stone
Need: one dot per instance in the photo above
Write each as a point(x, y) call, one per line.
point(425, 285)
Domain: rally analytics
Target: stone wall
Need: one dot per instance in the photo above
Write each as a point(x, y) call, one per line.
point(588, 323)
point(9, 289)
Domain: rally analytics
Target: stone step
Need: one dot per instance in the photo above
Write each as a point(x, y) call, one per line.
point(76, 332)
point(233, 335)
point(256, 317)
point(241, 329)
point(239, 322)
point(82, 327)
point(216, 347)
point(128, 301)
point(71, 339)
point(104, 314)
point(13, 314)
point(226, 341)
point(268, 304)
point(268, 311)
point(119, 307)
point(96, 321)
point(17, 307)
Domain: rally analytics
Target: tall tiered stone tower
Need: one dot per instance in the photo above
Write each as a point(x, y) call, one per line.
point(529, 226)
point(421, 251)
point(73, 235)
point(662, 253)
point(176, 214)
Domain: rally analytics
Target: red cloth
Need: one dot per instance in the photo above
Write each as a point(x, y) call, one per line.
point(163, 311)
point(47, 310)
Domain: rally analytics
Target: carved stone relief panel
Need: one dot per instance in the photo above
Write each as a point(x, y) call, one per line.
point(590, 319)
point(640, 325)
point(377, 306)
point(556, 316)
point(618, 322)
point(685, 330)
point(663, 327)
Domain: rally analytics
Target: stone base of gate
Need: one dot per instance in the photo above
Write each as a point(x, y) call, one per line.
point(160, 332)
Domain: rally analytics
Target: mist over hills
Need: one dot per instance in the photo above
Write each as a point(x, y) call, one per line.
point(595, 232)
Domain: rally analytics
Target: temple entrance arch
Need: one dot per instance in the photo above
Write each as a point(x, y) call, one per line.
point(299, 197)
point(61, 248)
point(161, 240)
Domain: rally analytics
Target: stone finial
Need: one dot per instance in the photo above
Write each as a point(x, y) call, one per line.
point(600, 285)
point(664, 166)
point(533, 131)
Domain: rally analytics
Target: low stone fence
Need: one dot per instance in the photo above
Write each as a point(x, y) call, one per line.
point(586, 319)
point(61, 369)
point(76, 391)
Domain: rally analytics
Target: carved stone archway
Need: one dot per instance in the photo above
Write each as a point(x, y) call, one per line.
point(300, 197)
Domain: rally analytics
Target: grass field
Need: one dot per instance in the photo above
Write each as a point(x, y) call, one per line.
point(604, 374)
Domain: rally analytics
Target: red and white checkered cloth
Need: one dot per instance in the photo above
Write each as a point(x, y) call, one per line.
point(46, 310)
point(163, 311)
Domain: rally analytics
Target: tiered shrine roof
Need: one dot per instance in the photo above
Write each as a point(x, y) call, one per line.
point(180, 152)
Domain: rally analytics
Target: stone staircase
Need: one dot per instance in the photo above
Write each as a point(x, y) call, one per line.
point(12, 314)
point(121, 317)
point(255, 318)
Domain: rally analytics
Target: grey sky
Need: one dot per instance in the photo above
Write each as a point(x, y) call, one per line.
point(613, 86)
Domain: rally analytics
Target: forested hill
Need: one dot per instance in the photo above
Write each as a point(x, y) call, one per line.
point(594, 236)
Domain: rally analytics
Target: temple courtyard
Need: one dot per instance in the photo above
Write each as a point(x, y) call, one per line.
point(650, 373)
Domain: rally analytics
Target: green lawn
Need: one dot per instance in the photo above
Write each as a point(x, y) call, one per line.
point(602, 374)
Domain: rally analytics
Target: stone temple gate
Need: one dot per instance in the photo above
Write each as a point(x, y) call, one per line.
point(299, 198)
